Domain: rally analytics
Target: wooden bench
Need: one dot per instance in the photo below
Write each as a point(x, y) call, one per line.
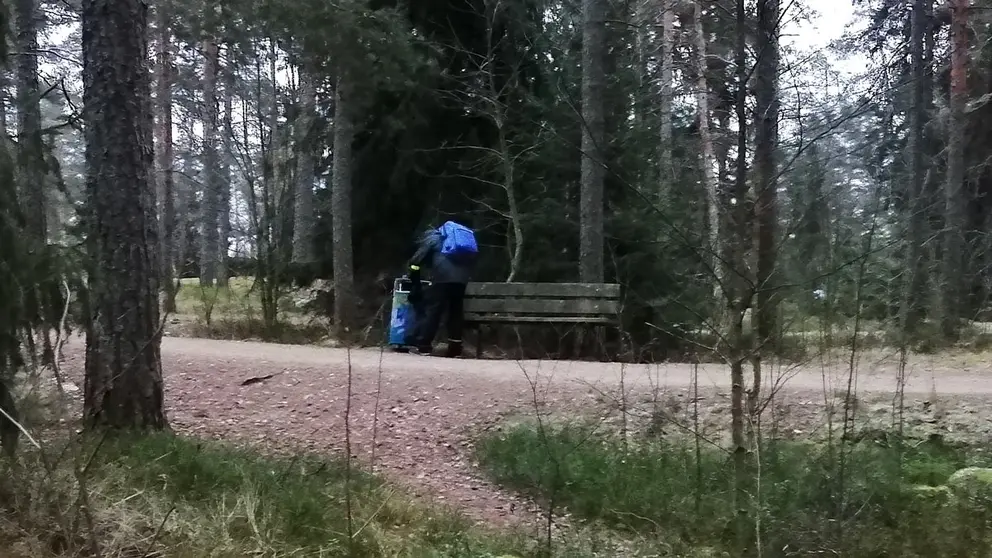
point(540, 303)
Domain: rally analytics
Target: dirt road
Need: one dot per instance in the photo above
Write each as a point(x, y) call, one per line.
point(950, 375)
point(410, 415)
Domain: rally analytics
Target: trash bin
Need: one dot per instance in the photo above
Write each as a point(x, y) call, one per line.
point(403, 315)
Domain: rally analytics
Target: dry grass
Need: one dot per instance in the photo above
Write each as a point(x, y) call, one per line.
point(235, 312)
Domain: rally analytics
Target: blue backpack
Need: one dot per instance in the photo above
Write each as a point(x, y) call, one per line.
point(459, 242)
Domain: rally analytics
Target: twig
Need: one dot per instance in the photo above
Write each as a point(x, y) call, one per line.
point(60, 339)
point(20, 427)
point(374, 514)
point(158, 532)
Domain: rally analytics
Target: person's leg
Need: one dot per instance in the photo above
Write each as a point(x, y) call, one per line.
point(433, 305)
point(456, 318)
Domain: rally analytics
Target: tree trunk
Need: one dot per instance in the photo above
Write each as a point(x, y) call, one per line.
point(512, 207)
point(593, 170)
point(736, 249)
point(123, 381)
point(640, 20)
point(209, 206)
point(912, 308)
point(164, 155)
point(267, 229)
point(766, 208)
point(4, 81)
point(344, 274)
point(666, 171)
point(185, 196)
point(952, 271)
point(707, 161)
point(31, 148)
point(303, 212)
point(31, 162)
point(226, 164)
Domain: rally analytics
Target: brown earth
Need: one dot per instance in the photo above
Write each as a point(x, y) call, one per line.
point(413, 417)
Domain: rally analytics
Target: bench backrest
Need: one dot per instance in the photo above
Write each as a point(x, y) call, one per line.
point(543, 299)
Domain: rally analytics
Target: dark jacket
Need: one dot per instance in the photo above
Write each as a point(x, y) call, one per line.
point(443, 270)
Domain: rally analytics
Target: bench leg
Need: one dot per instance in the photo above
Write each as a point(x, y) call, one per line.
point(478, 341)
point(601, 341)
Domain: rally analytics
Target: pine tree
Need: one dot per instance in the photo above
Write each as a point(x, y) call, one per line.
point(123, 383)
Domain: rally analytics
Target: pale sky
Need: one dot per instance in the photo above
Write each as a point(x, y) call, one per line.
point(827, 22)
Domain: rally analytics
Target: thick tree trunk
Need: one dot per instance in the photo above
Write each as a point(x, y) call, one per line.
point(303, 212)
point(123, 382)
point(164, 155)
point(912, 307)
point(593, 170)
point(31, 162)
point(707, 161)
point(344, 274)
point(952, 272)
point(209, 208)
point(31, 149)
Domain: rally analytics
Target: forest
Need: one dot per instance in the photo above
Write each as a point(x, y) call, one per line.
point(799, 228)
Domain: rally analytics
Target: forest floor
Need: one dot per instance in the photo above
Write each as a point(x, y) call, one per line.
point(415, 417)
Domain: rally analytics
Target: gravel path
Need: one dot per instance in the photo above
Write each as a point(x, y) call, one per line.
point(414, 414)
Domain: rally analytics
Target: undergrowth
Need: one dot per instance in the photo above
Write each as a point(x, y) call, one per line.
point(162, 495)
point(876, 505)
point(235, 312)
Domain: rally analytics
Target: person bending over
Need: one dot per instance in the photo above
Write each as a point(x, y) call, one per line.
point(450, 252)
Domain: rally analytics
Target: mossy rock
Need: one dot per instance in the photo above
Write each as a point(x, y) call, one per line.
point(932, 496)
point(972, 485)
point(972, 481)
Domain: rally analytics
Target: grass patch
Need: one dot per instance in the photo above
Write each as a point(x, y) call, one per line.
point(808, 504)
point(179, 497)
point(235, 312)
point(239, 298)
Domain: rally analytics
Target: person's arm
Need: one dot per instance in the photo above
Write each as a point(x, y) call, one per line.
point(427, 246)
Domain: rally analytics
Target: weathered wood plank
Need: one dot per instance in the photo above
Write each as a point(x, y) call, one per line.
point(524, 319)
point(549, 290)
point(545, 306)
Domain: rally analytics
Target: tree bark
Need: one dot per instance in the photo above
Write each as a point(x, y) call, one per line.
point(32, 167)
point(164, 155)
point(344, 274)
point(736, 249)
point(123, 381)
point(31, 157)
point(766, 166)
point(640, 20)
point(304, 220)
point(4, 81)
point(912, 308)
point(952, 271)
point(225, 166)
point(209, 208)
point(666, 171)
point(593, 170)
point(707, 160)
